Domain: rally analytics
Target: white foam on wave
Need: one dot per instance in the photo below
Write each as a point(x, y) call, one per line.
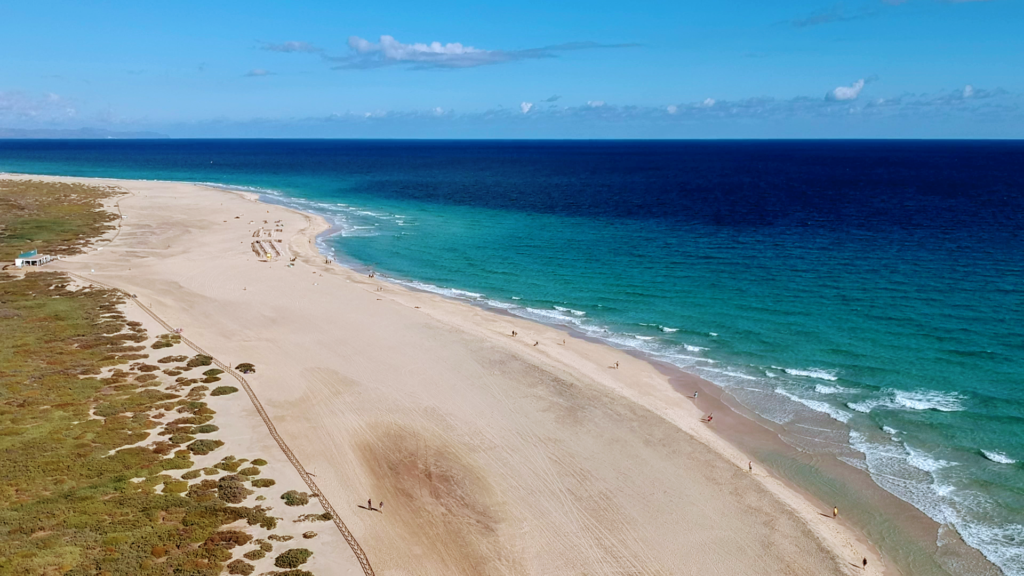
point(668, 330)
point(818, 373)
point(929, 400)
point(713, 334)
point(639, 337)
point(817, 406)
point(998, 457)
point(570, 311)
point(919, 478)
point(911, 400)
point(823, 389)
point(692, 348)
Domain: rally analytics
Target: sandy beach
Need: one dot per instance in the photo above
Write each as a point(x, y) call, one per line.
point(492, 454)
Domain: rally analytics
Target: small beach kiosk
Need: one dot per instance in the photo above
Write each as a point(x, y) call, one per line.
point(31, 258)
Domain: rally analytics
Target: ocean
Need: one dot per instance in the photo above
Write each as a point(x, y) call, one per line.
point(866, 297)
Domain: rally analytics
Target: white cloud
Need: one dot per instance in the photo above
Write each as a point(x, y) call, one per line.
point(257, 72)
point(672, 109)
point(595, 103)
point(388, 51)
point(708, 102)
point(843, 93)
point(526, 107)
point(968, 91)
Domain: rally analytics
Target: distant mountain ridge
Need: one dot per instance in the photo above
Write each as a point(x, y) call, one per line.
point(80, 133)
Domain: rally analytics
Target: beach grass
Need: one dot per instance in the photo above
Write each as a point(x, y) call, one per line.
point(55, 218)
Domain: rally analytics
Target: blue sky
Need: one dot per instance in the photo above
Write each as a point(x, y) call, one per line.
point(601, 68)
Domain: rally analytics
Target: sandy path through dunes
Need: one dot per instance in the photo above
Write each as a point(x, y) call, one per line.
point(492, 456)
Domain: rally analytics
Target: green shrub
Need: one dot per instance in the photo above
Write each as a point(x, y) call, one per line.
point(246, 368)
point(263, 483)
point(213, 372)
point(170, 359)
point(191, 475)
point(264, 545)
point(240, 567)
point(199, 360)
point(295, 498)
point(278, 538)
point(256, 554)
point(205, 429)
point(166, 341)
point(175, 487)
point(259, 462)
point(231, 490)
point(292, 558)
point(309, 535)
point(204, 446)
point(250, 471)
point(211, 471)
point(223, 390)
point(183, 439)
point(210, 380)
point(143, 378)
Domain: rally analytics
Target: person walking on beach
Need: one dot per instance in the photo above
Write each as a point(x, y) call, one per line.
point(864, 566)
point(695, 394)
point(750, 466)
point(616, 365)
point(380, 507)
point(835, 511)
point(369, 504)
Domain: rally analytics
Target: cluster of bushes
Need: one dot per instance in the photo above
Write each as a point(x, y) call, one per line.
point(172, 359)
point(52, 217)
point(246, 368)
point(292, 558)
point(295, 498)
point(223, 390)
point(74, 497)
point(199, 360)
point(166, 341)
point(240, 567)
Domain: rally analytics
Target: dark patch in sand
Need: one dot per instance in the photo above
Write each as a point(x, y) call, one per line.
point(447, 510)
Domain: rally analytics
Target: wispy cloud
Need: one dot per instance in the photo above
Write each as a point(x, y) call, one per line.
point(257, 73)
point(837, 13)
point(290, 47)
point(388, 51)
point(48, 107)
point(525, 107)
point(553, 98)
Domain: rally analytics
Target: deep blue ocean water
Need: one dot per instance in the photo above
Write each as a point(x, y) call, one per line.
point(867, 296)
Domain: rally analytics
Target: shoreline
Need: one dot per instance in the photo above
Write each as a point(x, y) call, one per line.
point(840, 537)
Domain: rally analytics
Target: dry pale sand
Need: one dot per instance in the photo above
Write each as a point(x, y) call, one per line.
point(491, 455)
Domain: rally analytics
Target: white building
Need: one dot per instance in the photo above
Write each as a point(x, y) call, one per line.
point(31, 258)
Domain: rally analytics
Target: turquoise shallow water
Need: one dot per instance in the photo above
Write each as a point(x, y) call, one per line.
point(868, 296)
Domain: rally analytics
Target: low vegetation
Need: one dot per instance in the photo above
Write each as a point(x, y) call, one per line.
point(295, 498)
point(54, 218)
point(246, 368)
point(292, 558)
point(223, 390)
point(76, 496)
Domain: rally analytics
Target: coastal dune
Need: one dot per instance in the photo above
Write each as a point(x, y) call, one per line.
point(491, 455)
